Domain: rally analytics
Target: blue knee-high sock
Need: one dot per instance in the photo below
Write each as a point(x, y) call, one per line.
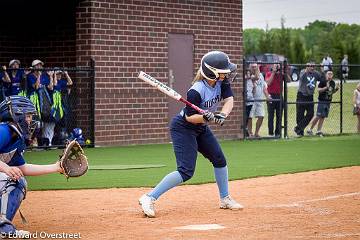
point(169, 181)
point(221, 176)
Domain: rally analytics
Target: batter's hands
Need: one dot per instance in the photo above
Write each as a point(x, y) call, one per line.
point(13, 172)
point(219, 118)
point(208, 116)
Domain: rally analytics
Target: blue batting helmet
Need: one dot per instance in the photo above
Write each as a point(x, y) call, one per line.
point(215, 62)
point(77, 132)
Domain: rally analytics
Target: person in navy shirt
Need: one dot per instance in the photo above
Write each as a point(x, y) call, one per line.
point(2, 83)
point(190, 132)
point(38, 79)
point(17, 123)
point(14, 77)
point(5, 82)
point(40, 89)
point(61, 110)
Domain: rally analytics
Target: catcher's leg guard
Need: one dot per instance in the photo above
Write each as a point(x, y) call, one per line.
point(11, 195)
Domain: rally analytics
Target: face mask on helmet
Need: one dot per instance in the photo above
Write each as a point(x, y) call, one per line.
point(34, 124)
point(233, 74)
point(215, 63)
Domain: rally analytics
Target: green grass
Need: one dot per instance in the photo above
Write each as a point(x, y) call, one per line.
point(246, 159)
point(332, 123)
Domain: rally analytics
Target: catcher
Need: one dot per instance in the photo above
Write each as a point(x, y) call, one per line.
point(16, 127)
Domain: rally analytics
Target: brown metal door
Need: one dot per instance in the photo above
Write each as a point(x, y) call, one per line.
point(181, 67)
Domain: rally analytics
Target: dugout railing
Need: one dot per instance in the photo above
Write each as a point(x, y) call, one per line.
point(340, 119)
point(78, 106)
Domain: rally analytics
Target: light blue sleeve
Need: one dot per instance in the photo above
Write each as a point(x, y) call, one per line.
point(5, 135)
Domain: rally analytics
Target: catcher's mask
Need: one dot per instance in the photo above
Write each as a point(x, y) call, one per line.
point(215, 63)
point(22, 112)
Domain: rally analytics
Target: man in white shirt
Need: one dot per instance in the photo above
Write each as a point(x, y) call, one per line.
point(327, 63)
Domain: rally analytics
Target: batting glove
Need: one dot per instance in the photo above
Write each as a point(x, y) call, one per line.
point(219, 118)
point(208, 116)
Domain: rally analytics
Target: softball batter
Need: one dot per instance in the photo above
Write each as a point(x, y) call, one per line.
point(190, 132)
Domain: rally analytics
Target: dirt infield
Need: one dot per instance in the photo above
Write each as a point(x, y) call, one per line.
point(313, 205)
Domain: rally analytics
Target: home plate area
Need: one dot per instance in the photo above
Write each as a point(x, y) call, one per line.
point(201, 227)
point(312, 205)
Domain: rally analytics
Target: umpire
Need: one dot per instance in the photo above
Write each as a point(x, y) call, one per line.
point(305, 98)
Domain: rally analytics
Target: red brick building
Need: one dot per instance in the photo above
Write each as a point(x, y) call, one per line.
point(163, 38)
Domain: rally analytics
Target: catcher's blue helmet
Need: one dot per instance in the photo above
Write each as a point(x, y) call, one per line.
point(14, 109)
point(215, 62)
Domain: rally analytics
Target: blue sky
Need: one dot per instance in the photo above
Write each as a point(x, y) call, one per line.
point(298, 13)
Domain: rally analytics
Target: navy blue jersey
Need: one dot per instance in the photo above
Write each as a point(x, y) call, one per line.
point(61, 85)
point(31, 80)
point(5, 87)
point(207, 97)
point(11, 148)
point(15, 81)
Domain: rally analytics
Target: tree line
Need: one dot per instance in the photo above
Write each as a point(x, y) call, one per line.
point(311, 43)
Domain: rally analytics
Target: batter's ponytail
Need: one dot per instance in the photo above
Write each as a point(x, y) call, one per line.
point(197, 77)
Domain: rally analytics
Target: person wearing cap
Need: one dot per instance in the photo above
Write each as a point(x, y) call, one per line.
point(15, 77)
point(35, 80)
point(40, 87)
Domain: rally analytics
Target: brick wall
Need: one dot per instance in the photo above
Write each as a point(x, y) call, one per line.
point(125, 37)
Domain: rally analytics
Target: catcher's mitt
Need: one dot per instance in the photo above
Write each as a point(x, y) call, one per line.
point(73, 161)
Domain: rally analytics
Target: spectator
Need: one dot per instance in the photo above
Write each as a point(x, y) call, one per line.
point(305, 98)
point(61, 109)
point(326, 89)
point(258, 109)
point(250, 91)
point(14, 76)
point(356, 102)
point(274, 82)
point(40, 87)
point(327, 63)
point(5, 83)
point(2, 82)
point(61, 83)
point(345, 68)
